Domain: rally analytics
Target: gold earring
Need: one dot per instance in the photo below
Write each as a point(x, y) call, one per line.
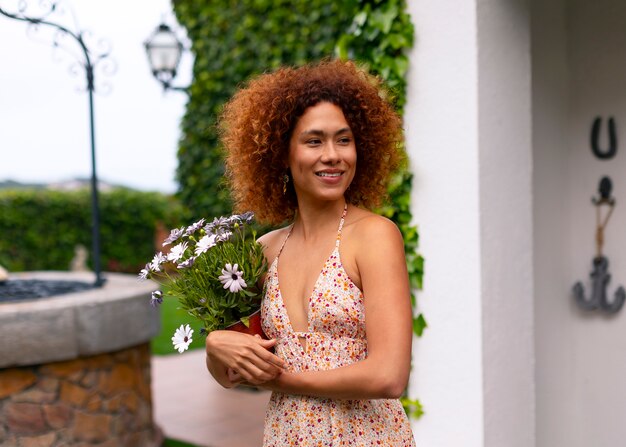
point(285, 181)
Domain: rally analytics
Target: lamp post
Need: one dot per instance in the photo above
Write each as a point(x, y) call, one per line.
point(88, 63)
point(164, 50)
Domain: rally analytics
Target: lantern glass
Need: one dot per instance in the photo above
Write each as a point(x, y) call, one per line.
point(164, 51)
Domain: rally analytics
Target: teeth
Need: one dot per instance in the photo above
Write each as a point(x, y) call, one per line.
point(328, 174)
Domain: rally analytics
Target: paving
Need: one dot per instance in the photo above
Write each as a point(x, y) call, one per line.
point(190, 406)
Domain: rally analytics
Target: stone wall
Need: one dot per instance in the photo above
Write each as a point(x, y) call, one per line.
point(101, 400)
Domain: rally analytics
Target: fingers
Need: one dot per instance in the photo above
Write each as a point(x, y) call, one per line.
point(260, 365)
point(234, 376)
point(255, 369)
point(269, 356)
point(247, 355)
point(273, 359)
point(256, 376)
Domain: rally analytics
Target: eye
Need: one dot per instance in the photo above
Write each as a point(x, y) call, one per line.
point(314, 142)
point(344, 140)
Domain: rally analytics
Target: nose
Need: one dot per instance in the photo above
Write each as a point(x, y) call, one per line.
point(330, 154)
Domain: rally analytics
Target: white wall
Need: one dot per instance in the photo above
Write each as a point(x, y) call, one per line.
point(579, 60)
point(442, 140)
point(553, 310)
point(505, 178)
point(468, 135)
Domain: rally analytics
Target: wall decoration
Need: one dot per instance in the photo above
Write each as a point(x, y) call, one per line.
point(595, 136)
point(600, 276)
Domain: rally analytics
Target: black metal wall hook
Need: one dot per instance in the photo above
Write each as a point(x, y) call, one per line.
point(595, 136)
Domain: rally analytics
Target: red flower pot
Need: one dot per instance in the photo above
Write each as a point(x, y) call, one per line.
point(253, 327)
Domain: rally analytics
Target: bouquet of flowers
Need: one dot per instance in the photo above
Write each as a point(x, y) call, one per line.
point(213, 269)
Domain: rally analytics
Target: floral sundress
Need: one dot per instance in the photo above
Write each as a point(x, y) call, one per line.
point(335, 338)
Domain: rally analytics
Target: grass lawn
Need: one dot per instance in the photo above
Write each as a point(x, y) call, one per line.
point(171, 319)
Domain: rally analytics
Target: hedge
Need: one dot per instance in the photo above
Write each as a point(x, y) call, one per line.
point(39, 229)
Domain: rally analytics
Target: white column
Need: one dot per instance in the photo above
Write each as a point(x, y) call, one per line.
point(506, 225)
point(441, 125)
point(468, 129)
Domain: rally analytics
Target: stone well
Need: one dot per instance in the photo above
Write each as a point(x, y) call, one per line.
point(75, 368)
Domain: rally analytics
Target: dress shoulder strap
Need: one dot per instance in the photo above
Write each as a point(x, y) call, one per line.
point(343, 218)
point(285, 241)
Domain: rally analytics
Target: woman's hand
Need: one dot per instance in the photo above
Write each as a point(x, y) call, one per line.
point(233, 358)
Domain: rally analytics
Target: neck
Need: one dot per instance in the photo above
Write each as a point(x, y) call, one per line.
point(314, 220)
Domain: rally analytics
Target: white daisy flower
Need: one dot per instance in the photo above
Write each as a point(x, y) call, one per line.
point(232, 278)
point(177, 251)
point(217, 224)
point(182, 338)
point(155, 264)
point(205, 243)
point(174, 235)
point(191, 229)
point(143, 274)
point(157, 298)
point(247, 216)
point(224, 235)
point(234, 219)
point(187, 263)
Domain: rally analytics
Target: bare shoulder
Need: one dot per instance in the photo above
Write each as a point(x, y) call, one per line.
point(271, 242)
point(367, 228)
point(370, 244)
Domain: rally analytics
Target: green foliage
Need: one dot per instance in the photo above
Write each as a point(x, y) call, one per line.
point(174, 443)
point(379, 36)
point(413, 407)
point(380, 33)
point(233, 40)
point(39, 230)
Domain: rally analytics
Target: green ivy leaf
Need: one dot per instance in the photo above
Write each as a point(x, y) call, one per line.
point(419, 324)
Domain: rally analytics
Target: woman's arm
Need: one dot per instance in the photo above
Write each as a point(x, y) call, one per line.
point(384, 373)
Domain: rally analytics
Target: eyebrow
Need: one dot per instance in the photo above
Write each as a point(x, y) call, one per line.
point(322, 133)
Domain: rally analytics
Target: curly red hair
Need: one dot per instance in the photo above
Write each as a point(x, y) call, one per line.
point(257, 123)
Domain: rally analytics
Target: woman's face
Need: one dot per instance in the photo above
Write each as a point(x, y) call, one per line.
point(322, 153)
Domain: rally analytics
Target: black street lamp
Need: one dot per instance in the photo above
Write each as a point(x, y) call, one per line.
point(164, 51)
point(88, 63)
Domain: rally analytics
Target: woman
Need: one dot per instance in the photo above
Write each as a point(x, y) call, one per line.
point(316, 146)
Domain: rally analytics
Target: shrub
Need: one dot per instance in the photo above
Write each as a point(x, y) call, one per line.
point(39, 229)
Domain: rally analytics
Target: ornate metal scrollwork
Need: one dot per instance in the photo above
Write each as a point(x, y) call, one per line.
point(88, 60)
point(92, 55)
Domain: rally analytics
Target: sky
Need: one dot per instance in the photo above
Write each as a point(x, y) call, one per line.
point(44, 109)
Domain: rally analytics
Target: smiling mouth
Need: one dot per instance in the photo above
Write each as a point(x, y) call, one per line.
point(329, 174)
